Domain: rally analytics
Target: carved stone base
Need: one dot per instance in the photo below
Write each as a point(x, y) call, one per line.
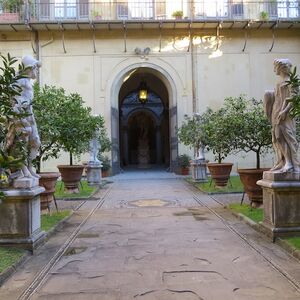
point(281, 199)
point(25, 183)
point(198, 168)
point(20, 222)
point(93, 174)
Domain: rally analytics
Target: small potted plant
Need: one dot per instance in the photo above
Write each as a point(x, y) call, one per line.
point(105, 165)
point(96, 15)
point(264, 16)
point(177, 14)
point(183, 163)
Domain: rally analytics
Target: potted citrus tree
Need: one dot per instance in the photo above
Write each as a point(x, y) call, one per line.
point(252, 134)
point(47, 104)
point(219, 136)
point(76, 130)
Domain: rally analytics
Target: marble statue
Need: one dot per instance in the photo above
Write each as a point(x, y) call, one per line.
point(94, 150)
point(283, 126)
point(25, 128)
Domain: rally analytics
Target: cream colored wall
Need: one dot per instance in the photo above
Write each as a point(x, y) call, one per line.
point(95, 75)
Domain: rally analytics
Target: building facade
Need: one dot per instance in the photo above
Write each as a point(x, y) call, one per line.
point(188, 54)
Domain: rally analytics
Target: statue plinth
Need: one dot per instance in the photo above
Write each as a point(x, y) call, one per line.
point(281, 199)
point(20, 222)
point(93, 173)
point(199, 173)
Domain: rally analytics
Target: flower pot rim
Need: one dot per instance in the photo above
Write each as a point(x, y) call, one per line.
point(70, 167)
point(49, 174)
point(252, 170)
point(219, 164)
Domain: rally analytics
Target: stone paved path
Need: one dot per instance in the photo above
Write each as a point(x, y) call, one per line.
point(152, 240)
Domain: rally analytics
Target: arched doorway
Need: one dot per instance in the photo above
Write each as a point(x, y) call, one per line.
point(144, 126)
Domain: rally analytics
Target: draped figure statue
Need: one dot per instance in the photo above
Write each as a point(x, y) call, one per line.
point(283, 126)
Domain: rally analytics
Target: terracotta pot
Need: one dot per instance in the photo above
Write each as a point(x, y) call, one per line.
point(184, 171)
point(71, 176)
point(48, 181)
point(105, 173)
point(220, 173)
point(249, 177)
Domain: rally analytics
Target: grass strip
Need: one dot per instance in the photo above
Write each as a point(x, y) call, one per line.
point(9, 256)
point(255, 214)
point(233, 186)
point(49, 221)
point(85, 190)
point(294, 242)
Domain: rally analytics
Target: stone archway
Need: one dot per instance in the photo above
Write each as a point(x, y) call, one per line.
point(173, 86)
point(144, 127)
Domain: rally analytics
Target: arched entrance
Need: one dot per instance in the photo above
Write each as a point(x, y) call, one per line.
point(144, 126)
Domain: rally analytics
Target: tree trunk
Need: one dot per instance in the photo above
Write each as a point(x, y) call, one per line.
point(71, 159)
point(258, 159)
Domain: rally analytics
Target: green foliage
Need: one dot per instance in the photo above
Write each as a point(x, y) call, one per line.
point(64, 123)
point(192, 133)
point(294, 84)
point(47, 104)
point(11, 5)
point(177, 13)
point(255, 214)
point(219, 133)
point(183, 160)
point(85, 190)
point(294, 241)
point(12, 156)
point(250, 128)
point(264, 16)
point(9, 256)
point(49, 221)
point(105, 162)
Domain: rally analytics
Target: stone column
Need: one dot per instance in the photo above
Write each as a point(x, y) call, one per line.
point(158, 144)
point(20, 222)
point(281, 199)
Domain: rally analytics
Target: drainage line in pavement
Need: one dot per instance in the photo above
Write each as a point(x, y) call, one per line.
point(40, 277)
point(287, 276)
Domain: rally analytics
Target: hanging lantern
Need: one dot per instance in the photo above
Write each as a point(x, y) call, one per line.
point(143, 92)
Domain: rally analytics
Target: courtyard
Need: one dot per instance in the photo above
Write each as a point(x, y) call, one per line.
point(162, 240)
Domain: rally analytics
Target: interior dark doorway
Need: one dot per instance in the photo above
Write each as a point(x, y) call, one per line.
point(144, 123)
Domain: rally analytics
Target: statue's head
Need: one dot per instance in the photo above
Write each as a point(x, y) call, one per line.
point(282, 65)
point(32, 64)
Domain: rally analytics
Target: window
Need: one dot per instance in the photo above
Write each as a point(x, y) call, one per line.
point(133, 9)
point(288, 9)
point(216, 8)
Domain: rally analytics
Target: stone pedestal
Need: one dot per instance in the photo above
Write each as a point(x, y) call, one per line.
point(198, 168)
point(93, 174)
point(281, 200)
point(20, 218)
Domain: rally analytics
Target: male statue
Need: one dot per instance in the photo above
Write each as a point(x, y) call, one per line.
point(283, 126)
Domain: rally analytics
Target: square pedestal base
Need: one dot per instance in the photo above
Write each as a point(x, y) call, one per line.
point(20, 218)
point(93, 174)
point(281, 199)
point(198, 168)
